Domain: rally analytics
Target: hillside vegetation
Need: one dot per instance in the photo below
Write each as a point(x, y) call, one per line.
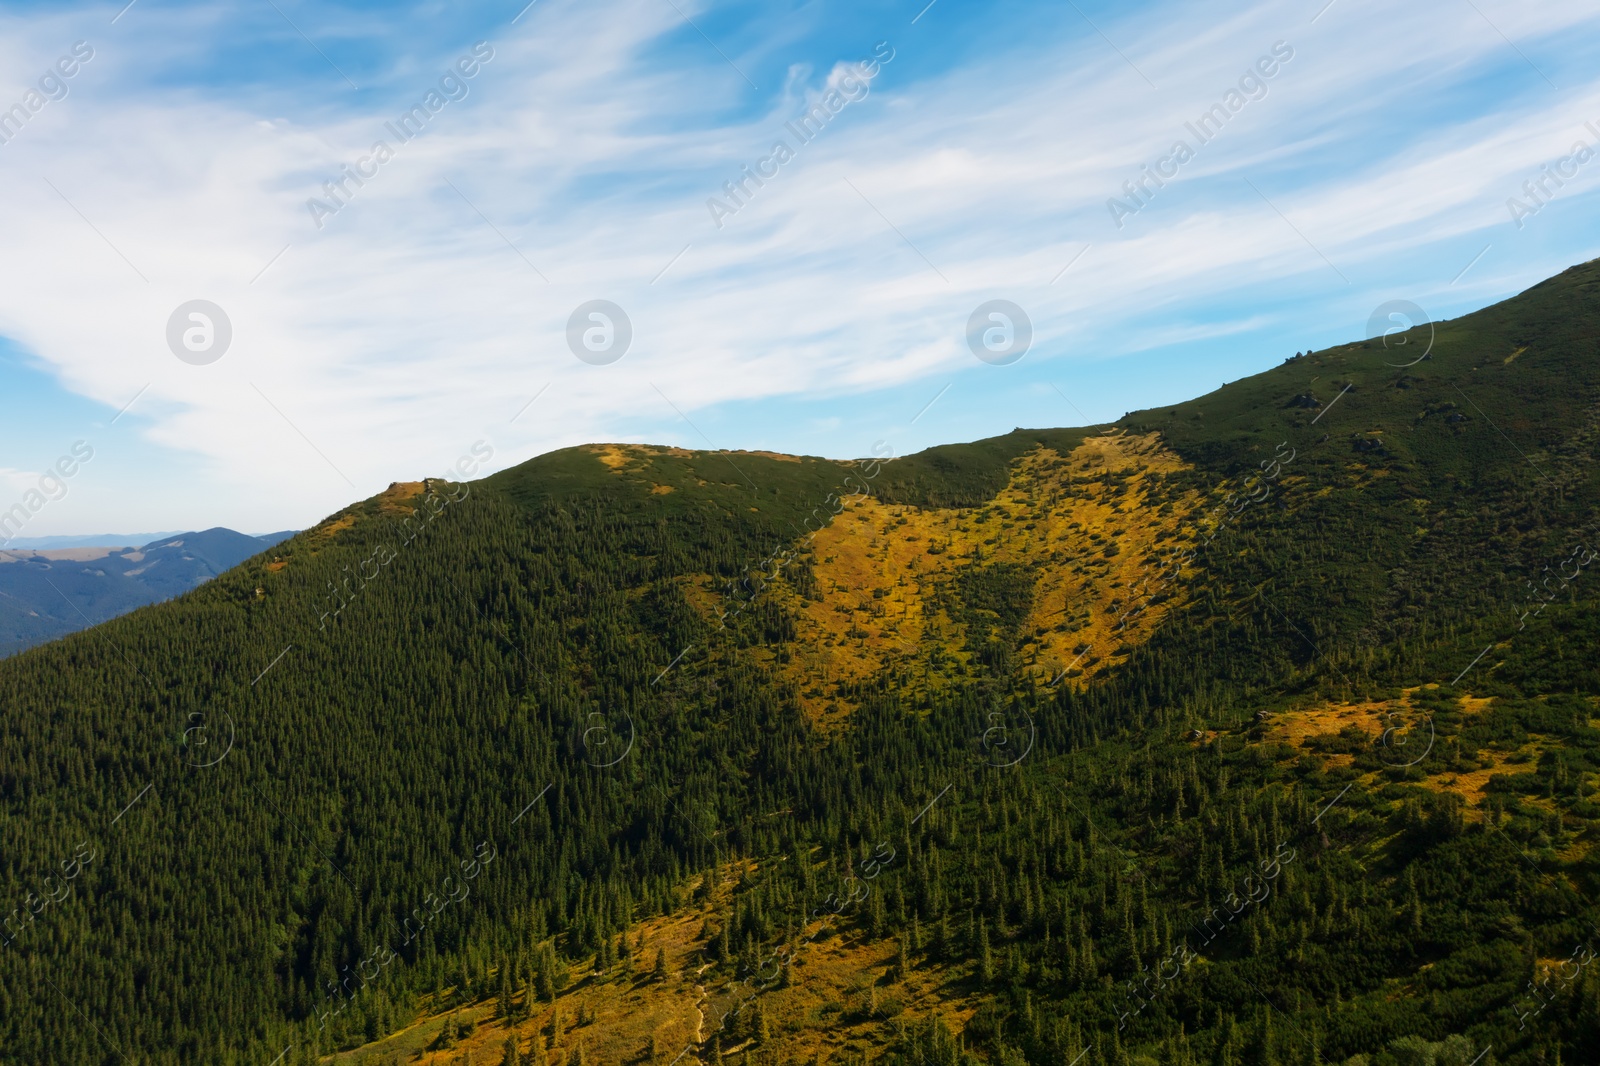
point(46, 594)
point(1256, 730)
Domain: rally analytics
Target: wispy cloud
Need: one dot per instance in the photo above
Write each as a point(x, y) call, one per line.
point(18, 480)
point(425, 313)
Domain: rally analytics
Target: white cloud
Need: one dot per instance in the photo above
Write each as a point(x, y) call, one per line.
point(18, 480)
point(407, 327)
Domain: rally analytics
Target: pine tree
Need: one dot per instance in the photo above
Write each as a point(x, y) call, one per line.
point(553, 1030)
point(660, 972)
point(1118, 1055)
point(549, 973)
point(1227, 1050)
point(503, 1008)
point(545, 986)
point(1175, 1050)
point(511, 1057)
point(1264, 1052)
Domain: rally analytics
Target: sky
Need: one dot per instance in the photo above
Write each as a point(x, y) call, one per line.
point(355, 331)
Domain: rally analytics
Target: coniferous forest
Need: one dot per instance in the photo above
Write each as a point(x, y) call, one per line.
point(1318, 787)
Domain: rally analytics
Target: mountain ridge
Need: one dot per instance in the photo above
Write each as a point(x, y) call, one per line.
point(88, 540)
point(52, 592)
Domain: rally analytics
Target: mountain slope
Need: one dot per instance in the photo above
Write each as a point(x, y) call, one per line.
point(49, 593)
point(1324, 791)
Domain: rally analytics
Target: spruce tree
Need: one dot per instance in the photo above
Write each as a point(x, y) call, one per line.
point(1264, 1051)
point(1227, 1049)
point(503, 1007)
point(553, 1030)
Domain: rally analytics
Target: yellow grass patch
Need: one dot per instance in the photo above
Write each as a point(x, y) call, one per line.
point(816, 1015)
point(1299, 726)
point(1469, 786)
point(624, 458)
point(615, 456)
point(332, 527)
point(396, 498)
point(882, 570)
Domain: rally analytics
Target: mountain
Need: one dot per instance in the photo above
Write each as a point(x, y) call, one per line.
point(90, 540)
point(1255, 729)
point(50, 593)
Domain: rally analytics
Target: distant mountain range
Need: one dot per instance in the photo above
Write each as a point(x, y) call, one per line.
point(89, 540)
point(47, 593)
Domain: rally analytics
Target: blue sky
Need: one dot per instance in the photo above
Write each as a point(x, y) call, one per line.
point(821, 316)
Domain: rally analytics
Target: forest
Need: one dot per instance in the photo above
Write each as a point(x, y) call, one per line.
point(453, 762)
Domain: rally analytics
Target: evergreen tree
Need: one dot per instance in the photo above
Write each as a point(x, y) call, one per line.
point(554, 1029)
point(503, 1006)
point(1264, 1051)
point(1118, 1055)
point(1226, 1052)
point(761, 1029)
